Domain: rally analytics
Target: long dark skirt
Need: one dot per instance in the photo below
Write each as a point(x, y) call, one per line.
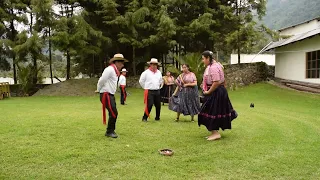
point(217, 111)
point(166, 92)
point(186, 101)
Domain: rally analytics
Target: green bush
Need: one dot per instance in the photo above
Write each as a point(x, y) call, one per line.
point(25, 74)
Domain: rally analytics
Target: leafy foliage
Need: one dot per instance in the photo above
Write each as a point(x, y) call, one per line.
point(90, 32)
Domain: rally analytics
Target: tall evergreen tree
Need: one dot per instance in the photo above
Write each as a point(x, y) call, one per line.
point(45, 18)
point(165, 29)
point(13, 14)
point(4, 64)
point(137, 23)
point(30, 48)
point(68, 33)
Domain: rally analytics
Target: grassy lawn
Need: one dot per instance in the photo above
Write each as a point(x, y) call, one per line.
point(63, 138)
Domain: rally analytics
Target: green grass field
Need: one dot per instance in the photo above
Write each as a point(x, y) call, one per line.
point(63, 138)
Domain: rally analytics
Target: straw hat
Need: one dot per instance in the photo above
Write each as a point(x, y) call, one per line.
point(118, 57)
point(154, 61)
point(124, 70)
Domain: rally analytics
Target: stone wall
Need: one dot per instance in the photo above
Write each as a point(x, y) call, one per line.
point(237, 75)
point(133, 81)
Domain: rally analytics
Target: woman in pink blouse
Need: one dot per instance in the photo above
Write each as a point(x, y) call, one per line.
point(216, 111)
point(185, 99)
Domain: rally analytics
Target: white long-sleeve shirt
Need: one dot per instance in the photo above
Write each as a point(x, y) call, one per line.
point(122, 80)
point(150, 80)
point(108, 81)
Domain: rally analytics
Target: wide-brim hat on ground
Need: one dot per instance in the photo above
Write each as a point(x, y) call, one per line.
point(154, 61)
point(118, 57)
point(124, 70)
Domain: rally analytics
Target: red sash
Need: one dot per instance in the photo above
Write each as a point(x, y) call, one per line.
point(106, 98)
point(146, 91)
point(123, 91)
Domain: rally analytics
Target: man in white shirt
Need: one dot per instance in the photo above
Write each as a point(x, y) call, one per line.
point(122, 85)
point(107, 87)
point(150, 81)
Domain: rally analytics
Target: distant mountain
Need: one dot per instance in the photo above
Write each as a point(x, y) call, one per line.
point(284, 13)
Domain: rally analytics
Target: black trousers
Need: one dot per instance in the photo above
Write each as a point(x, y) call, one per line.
point(111, 106)
point(154, 98)
point(123, 93)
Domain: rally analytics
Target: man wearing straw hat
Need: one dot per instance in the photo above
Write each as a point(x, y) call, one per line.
point(150, 81)
point(122, 85)
point(107, 86)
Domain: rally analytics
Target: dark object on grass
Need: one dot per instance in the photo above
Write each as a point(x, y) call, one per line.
point(252, 105)
point(166, 152)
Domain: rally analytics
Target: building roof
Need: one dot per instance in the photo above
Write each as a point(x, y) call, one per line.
point(293, 39)
point(282, 29)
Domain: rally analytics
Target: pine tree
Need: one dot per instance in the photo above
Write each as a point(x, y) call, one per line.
point(44, 23)
point(97, 15)
point(94, 42)
point(30, 48)
point(136, 27)
point(4, 64)
point(33, 45)
point(68, 34)
point(165, 29)
point(13, 13)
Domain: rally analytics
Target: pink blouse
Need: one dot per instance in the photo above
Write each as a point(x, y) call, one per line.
point(213, 72)
point(187, 78)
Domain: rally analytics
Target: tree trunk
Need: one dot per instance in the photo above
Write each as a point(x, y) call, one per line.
point(14, 56)
point(163, 68)
point(239, 61)
point(35, 67)
point(61, 7)
point(68, 65)
point(31, 21)
point(14, 71)
point(238, 37)
point(101, 65)
point(50, 56)
point(93, 66)
point(177, 54)
point(35, 70)
point(134, 61)
point(165, 59)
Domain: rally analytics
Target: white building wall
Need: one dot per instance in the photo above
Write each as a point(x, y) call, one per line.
point(248, 58)
point(291, 60)
point(302, 28)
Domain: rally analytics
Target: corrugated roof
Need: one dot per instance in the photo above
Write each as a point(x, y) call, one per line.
point(293, 39)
